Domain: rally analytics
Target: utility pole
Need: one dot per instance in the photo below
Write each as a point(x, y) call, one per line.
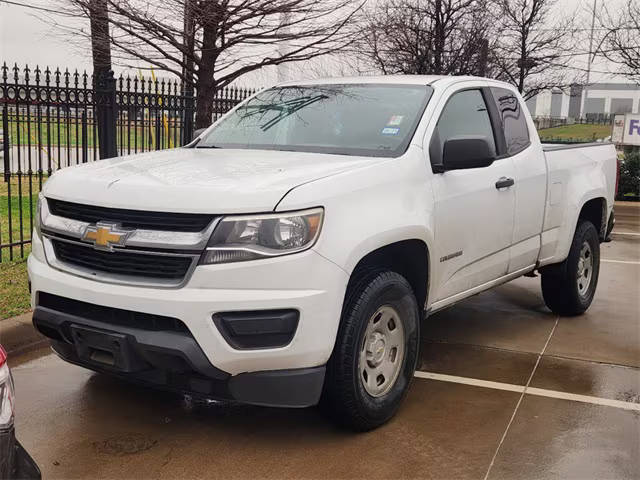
point(484, 57)
point(104, 83)
point(282, 70)
point(589, 60)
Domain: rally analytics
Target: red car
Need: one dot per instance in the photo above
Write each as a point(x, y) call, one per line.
point(15, 462)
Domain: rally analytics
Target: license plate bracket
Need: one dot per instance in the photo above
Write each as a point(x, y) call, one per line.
point(105, 349)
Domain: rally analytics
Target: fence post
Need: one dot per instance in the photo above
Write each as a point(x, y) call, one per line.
point(85, 146)
point(105, 92)
point(187, 112)
point(158, 131)
point(5, 146)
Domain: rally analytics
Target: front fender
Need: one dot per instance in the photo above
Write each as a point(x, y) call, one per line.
point(369, 208)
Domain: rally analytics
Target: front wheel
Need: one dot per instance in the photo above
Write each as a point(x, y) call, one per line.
point(568, 288)
point(376, 351)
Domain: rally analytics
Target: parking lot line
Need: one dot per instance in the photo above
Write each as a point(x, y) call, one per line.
point(475, 382)
point(628, 262)
point(524, 391)
point(540, 392)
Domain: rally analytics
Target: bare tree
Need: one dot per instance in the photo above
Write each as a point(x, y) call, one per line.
point(620, 43)
point(532, 50)
point(427, 36)
point(229, 37)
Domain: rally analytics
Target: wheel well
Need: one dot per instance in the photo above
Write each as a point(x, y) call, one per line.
point(595, 211)
point(409, 258)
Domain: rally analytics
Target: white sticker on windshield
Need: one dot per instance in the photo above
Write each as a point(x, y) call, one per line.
point(390, 131)
point(395, 120)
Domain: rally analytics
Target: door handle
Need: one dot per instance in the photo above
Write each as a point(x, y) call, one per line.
point(504, 182)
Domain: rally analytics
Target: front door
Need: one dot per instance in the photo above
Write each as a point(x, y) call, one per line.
point(474, 214)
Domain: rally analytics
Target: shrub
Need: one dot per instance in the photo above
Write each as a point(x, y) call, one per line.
point(629, 185)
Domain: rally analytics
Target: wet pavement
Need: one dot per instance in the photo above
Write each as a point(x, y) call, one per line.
point(514, 392)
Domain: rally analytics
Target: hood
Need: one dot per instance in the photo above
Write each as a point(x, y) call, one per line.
point(190, 180)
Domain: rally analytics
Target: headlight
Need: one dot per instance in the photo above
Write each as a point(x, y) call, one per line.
point(38, 223)
point(241, 238)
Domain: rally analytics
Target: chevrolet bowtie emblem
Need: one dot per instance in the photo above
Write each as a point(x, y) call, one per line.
point(105, 236)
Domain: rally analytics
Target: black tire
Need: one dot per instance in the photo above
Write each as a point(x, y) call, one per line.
point(559, 286)
point(344, 396)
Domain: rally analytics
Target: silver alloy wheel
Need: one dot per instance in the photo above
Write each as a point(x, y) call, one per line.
point(585, 269)
point(382, 351)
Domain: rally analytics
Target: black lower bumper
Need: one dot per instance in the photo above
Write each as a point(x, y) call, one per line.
point(15, 462)
point(171, 360)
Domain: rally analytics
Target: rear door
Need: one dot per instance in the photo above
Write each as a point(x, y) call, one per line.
point(474, 219)
point(530, 177)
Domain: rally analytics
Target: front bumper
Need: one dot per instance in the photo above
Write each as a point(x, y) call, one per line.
point(171, 360)
point(15, 462)
point(265, 376)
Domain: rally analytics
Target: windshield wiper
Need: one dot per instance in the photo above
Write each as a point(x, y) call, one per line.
point(284, 109)
point(290, 111)
point(207, 146)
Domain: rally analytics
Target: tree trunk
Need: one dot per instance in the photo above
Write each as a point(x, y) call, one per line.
point(206, 92)
point(206, 84)
point(188, 38)
point(100, 44)
point(104, 83)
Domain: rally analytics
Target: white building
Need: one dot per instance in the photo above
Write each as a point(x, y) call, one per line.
point(580, 101)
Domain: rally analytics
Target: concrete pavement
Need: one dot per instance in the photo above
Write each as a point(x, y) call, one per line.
point(505, 389)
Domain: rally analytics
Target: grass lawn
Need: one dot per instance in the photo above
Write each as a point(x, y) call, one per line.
point(14, 292)
point(68, 133)
point(21, 204)
point(14, 288)
point(578, 132)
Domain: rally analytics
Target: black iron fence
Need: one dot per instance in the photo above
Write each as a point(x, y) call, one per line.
point(589, 119)
point(50, 119)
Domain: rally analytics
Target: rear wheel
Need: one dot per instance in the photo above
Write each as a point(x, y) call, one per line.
point(568, 288)
point(376, 351)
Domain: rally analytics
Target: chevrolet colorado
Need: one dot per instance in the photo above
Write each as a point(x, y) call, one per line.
point(289, 253)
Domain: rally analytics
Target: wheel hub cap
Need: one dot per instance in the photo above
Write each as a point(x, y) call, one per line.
point(382, 351)
point(375, 349)
point(585, 269)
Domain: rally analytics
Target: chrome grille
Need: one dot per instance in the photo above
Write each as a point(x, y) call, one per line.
point(136, 219)
point(149, 257)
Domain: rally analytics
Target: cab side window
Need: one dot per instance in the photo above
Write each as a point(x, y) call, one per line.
point(513, 119)
point(465, 115)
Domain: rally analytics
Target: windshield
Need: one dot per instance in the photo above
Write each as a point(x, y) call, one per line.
point(369, 120)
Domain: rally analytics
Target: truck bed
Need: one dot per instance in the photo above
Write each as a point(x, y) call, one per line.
point(575, 174)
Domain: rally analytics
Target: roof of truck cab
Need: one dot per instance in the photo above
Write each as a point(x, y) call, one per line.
point(379, 79)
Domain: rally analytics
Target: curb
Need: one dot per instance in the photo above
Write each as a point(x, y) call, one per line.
point(18, 335)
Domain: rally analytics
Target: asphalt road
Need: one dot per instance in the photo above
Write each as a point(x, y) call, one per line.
point(505, 389)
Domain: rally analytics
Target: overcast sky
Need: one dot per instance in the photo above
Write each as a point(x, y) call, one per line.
point(27, 37)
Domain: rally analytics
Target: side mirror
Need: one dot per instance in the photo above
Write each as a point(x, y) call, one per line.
point(467, 152)
point(196, 133)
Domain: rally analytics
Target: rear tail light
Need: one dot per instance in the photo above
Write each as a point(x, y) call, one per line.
point(6, 393)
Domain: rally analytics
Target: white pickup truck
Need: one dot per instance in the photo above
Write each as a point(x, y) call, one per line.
point(288, 254)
